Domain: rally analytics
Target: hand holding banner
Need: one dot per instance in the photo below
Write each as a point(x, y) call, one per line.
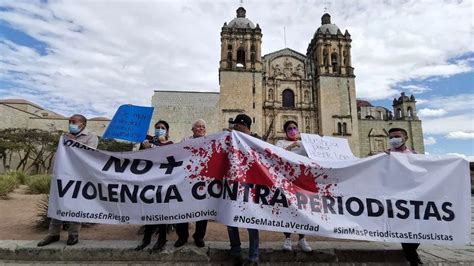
point(130, 123)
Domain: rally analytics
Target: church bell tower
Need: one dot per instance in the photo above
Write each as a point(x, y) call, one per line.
point(329, 55)
point(240, 71)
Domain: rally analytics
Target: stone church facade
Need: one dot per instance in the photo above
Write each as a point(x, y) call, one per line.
point(317, 90)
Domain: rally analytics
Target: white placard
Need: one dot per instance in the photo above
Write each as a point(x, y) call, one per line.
point(327, 148)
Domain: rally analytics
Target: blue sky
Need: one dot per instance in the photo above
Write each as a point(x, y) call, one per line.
point(93, 56)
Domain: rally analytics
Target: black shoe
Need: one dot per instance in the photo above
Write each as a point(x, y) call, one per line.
point(413, 258)
point(236, 261)
point(159, 245)
point(199, 243)
point(250, 263)
point(48, 240)
point(72, 240)
point(179, 243)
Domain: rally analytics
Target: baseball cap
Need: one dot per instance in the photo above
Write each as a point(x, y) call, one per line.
point(242, 119)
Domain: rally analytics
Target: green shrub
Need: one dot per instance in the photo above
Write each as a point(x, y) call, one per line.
point(19, 176)
point(7, 185)
point(42, 212)
point(38, 184)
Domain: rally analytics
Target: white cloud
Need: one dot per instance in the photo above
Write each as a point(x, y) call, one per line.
point(103, 54)
point(429, 141)
point(449, 124)
point(431, 112)
point(416, 89)
point(460, 135)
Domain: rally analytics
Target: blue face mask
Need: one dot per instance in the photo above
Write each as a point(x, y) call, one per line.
point(74, 129)
point(159, 132)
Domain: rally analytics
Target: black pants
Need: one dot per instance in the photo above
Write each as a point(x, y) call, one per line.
point(409, 249)
point(182, 230)
point(150, 228)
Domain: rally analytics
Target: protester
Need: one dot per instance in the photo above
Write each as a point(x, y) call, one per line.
point(78, 132)
point(242, 123)
point(161, 138)
point(291, 143)
point(182, 229)
point(397, 140)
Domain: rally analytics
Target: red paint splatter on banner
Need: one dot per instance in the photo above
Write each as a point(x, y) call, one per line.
point(234, 161)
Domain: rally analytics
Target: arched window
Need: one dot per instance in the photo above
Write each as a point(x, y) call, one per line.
point(306, 96)
point(399, 113)
point(339, 128)
point(410, 113)
point(252, 54)
point(288, 98)
point(334, 64)
point(241, 57)
point(344, 128)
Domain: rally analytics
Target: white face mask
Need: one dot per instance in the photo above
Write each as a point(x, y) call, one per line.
point(396, 142)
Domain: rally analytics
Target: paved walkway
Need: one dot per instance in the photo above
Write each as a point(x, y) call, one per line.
point(89, 252)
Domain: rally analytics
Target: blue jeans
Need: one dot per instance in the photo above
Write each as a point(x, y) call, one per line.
point(235, 242)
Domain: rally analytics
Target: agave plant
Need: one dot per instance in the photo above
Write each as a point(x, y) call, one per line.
point(7, 185)
point(38, 184)
point(42, 212)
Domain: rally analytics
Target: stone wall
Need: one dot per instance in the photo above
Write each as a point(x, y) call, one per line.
point(373, 135)
point(337, 104)
point(241, 92)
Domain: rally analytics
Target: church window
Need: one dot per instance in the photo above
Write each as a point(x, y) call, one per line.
point(344, 128)
point(325, 57)
point(229, 47)
point(252, 54)
point(335, 67)
point(399, 113)
point(241, 57)
point(339, 128)
point(288, 98)
point(410, 113)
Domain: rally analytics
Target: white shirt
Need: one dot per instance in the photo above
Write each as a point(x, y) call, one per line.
point(298, 150)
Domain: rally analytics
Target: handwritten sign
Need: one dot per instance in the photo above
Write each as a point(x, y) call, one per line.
point(130, 123)
point(327, 148)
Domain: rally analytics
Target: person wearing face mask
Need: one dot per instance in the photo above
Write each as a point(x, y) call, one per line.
point(182, 229)
point(161, 138)
point(397, 138)
point(293, 144)
point(78, 132)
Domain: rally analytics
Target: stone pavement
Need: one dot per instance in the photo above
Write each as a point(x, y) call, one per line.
point(90, 252)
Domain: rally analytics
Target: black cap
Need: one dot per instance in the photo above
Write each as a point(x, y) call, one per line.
point(242, 119)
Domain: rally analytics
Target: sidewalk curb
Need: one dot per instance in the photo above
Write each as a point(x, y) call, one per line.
point(217, 252)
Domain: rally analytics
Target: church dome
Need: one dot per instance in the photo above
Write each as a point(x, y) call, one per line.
point(241, 21)
point(326, 25)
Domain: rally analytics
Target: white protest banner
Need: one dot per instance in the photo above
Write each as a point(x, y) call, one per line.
point(241, 181)
point(326, 148)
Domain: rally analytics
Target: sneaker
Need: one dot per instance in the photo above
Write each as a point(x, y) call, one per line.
point(304, 245)
point(287, 244)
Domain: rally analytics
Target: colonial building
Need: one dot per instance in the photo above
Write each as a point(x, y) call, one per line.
point(317, 90)
point(20, 113)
